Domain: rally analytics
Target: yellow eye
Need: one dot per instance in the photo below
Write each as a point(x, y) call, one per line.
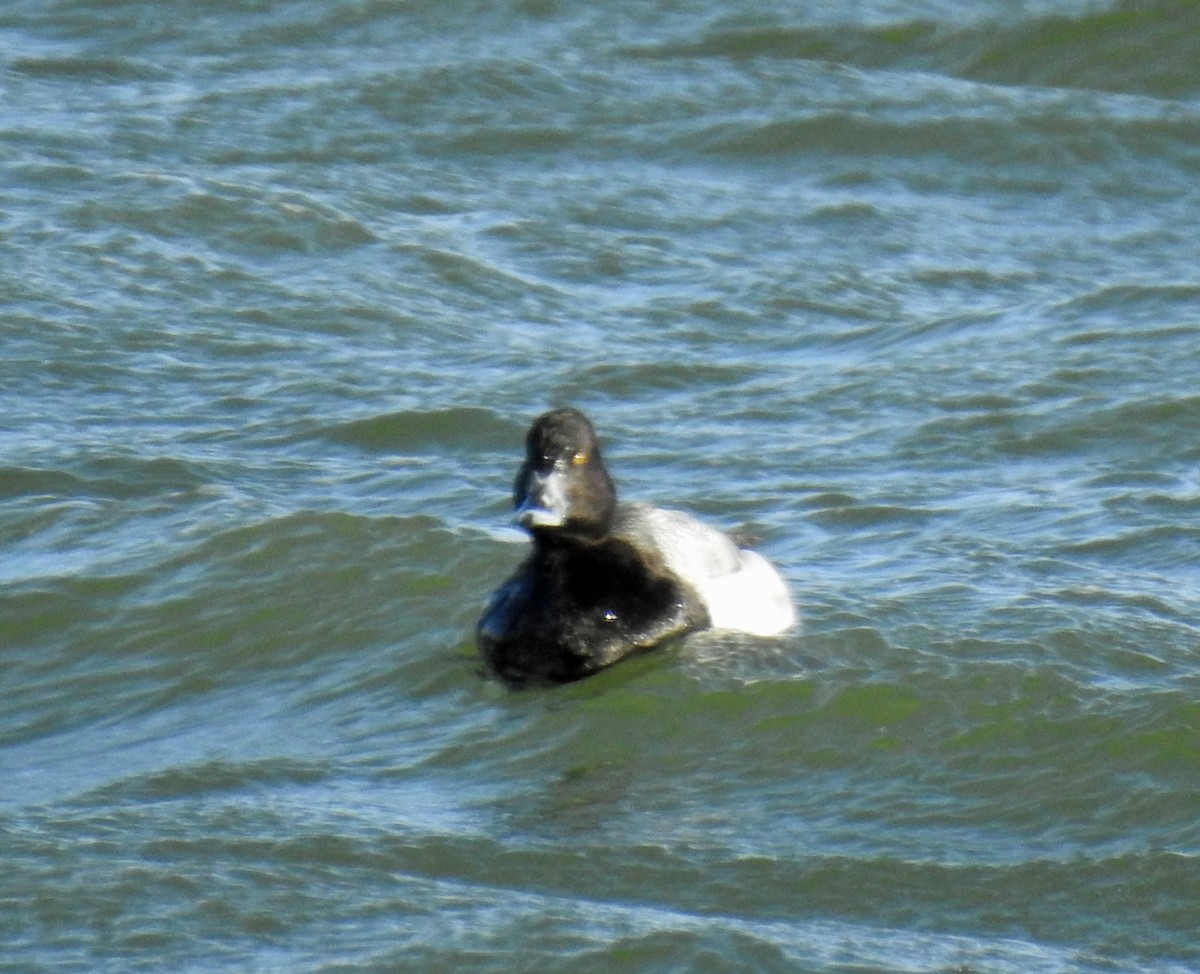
point(580, 459)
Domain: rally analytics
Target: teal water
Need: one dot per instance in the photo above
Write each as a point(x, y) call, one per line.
point(907, 290)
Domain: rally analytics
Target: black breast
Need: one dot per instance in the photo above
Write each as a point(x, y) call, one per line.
point(572, 609)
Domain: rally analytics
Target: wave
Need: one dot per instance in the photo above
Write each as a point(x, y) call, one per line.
point(291, 601)
point(1033, 147)
point(111, 477)
point(1134, 427)
point(95, 69)
point(427, 431)
point(1134, 47)
point(229, 215)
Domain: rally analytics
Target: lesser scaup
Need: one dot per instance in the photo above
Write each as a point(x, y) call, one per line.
point(606, 579)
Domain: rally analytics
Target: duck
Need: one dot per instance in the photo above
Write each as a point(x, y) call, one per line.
point(605, 579)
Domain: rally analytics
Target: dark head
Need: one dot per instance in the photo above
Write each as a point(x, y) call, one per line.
point(562, 489)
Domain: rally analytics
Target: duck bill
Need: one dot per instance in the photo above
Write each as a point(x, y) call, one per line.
point(543, 502)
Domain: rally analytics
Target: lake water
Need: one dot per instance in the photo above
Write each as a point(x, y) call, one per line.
point(909, 290)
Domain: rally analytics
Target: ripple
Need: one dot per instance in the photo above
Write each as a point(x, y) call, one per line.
point(103, 69)
point(1049, 51)
point(914, 299)
point(232, 217)
point(427, 432)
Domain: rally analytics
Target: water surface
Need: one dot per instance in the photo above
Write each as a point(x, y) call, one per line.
point(906, 290)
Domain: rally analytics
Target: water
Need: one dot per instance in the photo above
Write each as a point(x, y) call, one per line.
point(907, 290)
